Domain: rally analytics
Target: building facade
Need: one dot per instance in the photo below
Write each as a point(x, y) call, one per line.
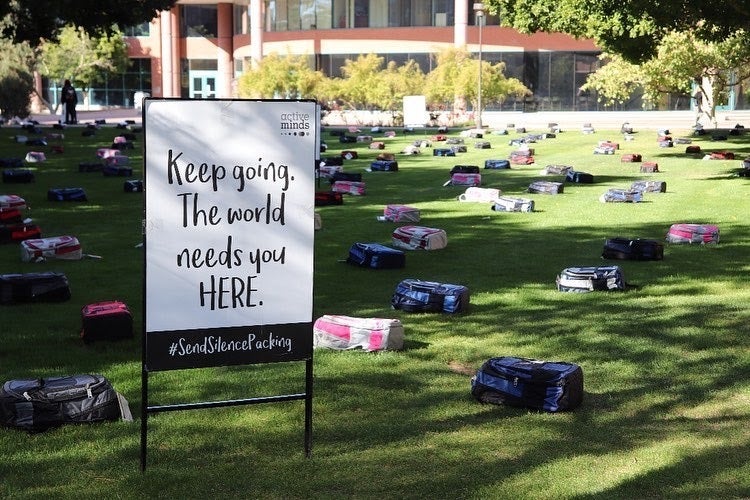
point(199, 47)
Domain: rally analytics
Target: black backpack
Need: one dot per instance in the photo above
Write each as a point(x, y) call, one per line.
point(632, 249)
point(43, 403)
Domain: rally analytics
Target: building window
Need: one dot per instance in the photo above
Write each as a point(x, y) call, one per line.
point(340, 13)
point(203, 64)
point(277, 18)
point(118, 91)
point(398, 13)
point(421, 12)
point(323, 14)
point(143, 29)
point(198, 21)
point(293, 15)
point(361, 13)
point(240, 20)
point(242, 65)
point(378, 14)
point(308, 15)
point(443, 13)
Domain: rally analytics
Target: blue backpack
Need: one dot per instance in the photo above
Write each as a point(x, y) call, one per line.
point(413, 295)
point(542, 385)
point(376, 256)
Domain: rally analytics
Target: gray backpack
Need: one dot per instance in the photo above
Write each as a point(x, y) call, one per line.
point(43, 403)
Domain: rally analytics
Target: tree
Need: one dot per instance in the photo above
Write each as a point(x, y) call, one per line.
point(400, 81)
point(86, 61)
point(616, 80)
point(288, 77)
point(496, 88)
point(455, 79)
point(632, 29)
point(16, 78)
point(681, 61)
point(36, 20)
point(363, 84)
point(441, 85)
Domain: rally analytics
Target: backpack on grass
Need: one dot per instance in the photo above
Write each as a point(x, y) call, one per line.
point(133, 186)
point(345, 176)
point(18, 176)
point(326, 198)
point(347, 332)
point(579, 177)
point(529, 383)
point(512, 204)
point(693, 233)
point(631, 158)
point(384, 166)
point(632, 249)
point(401, 213)
point(479, 194)
point(419, 238)
point(461, 179)
point(67, 194)
point(649, 186)
point(43, 403)
point(464, 169)
point(546, 187)
point(615, 195)
point(375, 256)
point(443, 152)
point(19, 231)
point(649, 167)
point(556, 170)
point(589, 279)
point(107, 320)
point(12, 202)
point(497, 164)
point(413, 295)
point(56, 247)
point(349, 187)
point(22, 288)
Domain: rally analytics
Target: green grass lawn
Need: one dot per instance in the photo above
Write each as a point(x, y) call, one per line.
point(666, 411)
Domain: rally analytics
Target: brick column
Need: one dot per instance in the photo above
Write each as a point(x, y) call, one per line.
point(224, 51)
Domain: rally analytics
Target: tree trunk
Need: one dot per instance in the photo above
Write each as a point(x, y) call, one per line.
point(707, 103)
point(459, 104)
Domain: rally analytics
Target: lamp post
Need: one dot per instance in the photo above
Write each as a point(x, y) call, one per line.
point(479, 14)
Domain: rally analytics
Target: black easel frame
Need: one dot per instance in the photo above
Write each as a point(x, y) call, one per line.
point(146, 409)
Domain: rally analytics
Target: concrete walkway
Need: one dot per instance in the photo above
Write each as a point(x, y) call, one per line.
point(538, 121)
point(113, 116)
point(613, 120)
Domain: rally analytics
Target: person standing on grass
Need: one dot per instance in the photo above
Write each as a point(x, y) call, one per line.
point(70, 100)
point(698, 104)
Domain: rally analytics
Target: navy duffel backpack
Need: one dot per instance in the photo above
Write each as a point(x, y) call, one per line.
point(542, 385)
point(413, 295)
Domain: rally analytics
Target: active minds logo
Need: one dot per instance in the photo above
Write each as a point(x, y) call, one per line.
point(295, 124)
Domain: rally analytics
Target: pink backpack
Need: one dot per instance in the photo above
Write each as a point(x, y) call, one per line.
point(347, 332)
point(419, 238)
point(463, 179)
point(401, 213)
point(693, 233)
point(349, 187)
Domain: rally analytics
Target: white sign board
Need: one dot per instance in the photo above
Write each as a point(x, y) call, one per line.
point(415, 111)
point(229, 229)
